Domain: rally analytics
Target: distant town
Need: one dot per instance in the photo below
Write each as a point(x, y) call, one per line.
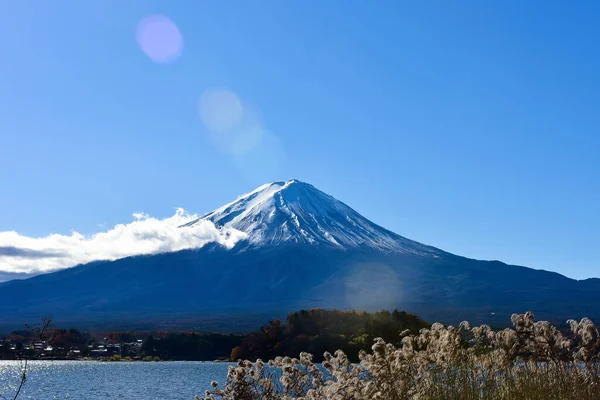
point(72, 344)
point(62, 346)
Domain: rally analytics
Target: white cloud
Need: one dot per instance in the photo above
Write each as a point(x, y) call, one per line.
point(145, 235)
point(139, 215)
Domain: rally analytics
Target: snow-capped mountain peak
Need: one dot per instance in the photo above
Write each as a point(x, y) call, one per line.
point(297, 212)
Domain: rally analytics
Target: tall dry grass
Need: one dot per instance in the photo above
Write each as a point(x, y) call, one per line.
point(532, 360)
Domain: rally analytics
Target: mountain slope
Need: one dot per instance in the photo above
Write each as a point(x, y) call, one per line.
point(304, 249)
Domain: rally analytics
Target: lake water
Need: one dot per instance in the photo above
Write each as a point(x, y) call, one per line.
point(92, 380)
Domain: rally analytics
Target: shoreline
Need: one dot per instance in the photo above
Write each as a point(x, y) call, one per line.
point(118, 361)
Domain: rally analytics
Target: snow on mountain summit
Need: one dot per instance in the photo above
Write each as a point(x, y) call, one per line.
point(297, 212)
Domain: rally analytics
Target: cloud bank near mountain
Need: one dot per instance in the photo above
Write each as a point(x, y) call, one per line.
point(144, 235)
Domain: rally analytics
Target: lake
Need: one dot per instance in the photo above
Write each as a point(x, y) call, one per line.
point(92, 380)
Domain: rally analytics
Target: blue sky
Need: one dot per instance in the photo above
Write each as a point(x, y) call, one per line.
point(470, 126)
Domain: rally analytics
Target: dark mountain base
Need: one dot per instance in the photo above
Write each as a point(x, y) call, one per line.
point(233, 290)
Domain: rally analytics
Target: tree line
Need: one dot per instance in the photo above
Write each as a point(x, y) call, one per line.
point(317, 330)
point(313, 331)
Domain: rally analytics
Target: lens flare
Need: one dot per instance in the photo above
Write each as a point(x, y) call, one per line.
point(220, 110)
point(237, 129)
point(372, 286)
point(159, 38)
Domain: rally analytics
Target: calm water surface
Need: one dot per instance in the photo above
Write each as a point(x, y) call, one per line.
point(92, 380)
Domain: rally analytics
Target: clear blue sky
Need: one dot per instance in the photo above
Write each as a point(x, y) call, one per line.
point(471, 125)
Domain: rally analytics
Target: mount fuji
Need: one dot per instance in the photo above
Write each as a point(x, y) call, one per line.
point(301, 248)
